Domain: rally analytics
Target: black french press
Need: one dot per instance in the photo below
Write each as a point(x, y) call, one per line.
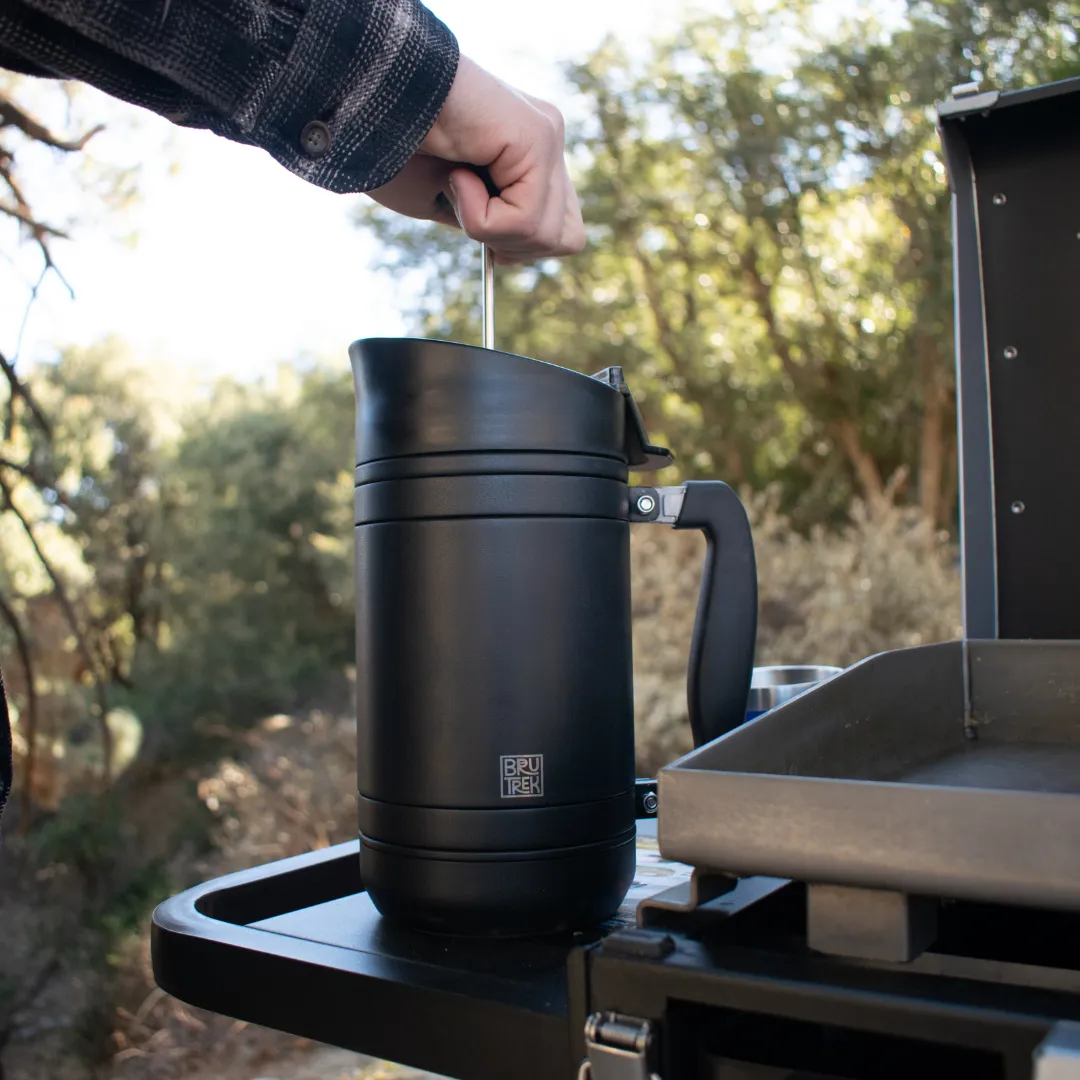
point(495, 715)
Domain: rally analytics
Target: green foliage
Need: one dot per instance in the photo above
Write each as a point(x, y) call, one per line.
point(134, 898)
point(105, 490)
point(85, 835)
point(202, 541)
point(768, 242)
point(259, 556)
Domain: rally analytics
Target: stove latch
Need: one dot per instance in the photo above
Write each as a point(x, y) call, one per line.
point(618, 1048)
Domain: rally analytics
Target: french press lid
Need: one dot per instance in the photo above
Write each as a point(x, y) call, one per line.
point(419, 396)
point(437, 397)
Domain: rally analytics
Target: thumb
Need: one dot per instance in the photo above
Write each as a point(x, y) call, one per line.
point(471, 201)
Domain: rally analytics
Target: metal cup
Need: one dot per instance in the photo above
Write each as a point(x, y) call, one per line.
point(772, 686)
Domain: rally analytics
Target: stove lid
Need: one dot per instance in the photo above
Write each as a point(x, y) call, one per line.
point(1014, 168)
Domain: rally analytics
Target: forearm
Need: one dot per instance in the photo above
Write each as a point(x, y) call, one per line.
point(341, 92)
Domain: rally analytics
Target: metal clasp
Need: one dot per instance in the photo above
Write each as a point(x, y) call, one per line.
point(662, 504)
point(618, 1048)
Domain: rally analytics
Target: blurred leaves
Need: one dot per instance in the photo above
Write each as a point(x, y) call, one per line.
point(202, 543)
point(260, 554)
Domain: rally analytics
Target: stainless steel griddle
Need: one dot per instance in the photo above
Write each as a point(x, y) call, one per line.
point(951, 770)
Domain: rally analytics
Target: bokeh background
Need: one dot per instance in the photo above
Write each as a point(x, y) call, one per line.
point(768, 260)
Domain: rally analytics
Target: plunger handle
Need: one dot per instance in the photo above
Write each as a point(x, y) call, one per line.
point(487, 269)
point(487, 307)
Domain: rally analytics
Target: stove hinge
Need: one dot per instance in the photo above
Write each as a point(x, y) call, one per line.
point(618, 1048)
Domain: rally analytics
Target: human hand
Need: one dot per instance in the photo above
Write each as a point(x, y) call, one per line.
point(520, 140)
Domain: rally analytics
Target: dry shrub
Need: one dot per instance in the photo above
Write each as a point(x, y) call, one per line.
point(885, 581)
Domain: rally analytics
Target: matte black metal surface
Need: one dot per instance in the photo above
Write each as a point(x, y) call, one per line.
point(725, 630)
point(418, 397)
point(483, 640)
point(741, 992)
point(529, 828)
point(297, 945)
point(498, 464)
point(500, 894)
point(530, 973)
point(882, 778)
point(494, 674)
point(324, 965)
point(491, 496)
point(978, 538)
point(1016, 177)
point(745, 998)
point(478, 639)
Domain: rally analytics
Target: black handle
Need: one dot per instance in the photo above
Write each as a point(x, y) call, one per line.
point(482, 171)
point(725, 630)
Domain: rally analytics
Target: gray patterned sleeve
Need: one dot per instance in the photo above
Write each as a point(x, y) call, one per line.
point(341, 92)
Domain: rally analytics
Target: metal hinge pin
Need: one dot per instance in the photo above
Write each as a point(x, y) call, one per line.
point(617, 1048)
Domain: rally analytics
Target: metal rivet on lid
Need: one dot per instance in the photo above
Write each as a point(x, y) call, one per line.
point(646, 504)
point(1010, 352)
point(1018, 507)
point(999, 199)
point(315, 139)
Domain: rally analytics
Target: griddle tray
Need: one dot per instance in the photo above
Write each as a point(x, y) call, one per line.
point(946, 770)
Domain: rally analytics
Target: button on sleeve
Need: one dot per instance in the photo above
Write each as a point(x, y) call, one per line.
point(315, 139)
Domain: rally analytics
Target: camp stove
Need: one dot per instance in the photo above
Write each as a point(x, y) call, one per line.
point(878, 878)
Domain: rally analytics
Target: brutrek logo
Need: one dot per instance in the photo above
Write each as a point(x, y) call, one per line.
point(522, 775)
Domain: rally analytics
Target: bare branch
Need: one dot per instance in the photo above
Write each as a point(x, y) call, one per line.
point(41, 232)
point(35, 478)
point(31, 222)
point(34, 290)
point(19, 389)
point(92, 665)
point(11, 115)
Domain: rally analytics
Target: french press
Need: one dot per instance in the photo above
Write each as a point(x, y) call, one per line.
point(495, 715)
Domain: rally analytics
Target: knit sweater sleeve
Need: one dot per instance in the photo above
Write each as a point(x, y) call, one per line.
point(340, 92)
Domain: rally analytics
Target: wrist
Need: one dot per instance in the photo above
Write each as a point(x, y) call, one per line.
point(465, 131)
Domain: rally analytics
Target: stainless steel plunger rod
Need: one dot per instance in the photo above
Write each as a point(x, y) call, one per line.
point(487, 307)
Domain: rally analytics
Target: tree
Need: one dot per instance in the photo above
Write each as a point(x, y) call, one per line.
point(82, 546)
point(769, 253)
point(195, 552)
point(19, 122)
point(34, 453)
point(258, 553)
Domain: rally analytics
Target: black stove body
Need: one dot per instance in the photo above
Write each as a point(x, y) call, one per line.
point(726, 988)
point(1014, 168)
point(763, 978)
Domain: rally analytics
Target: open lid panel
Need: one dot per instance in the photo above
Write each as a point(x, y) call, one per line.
point(1014, 167)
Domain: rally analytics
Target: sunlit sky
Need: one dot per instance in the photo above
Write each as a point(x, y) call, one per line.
point(236, 264)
